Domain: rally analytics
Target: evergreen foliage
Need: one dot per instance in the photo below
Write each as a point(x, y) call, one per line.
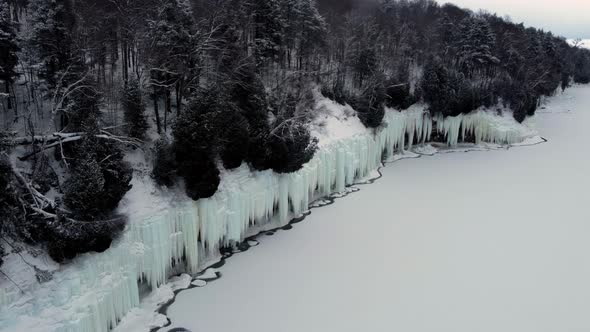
point(234, 139)
point(582, 67)
point(195, 156)
point(99, 179)
point(134, 109)
point(52, 24)
point(10, 207)
point(68, 238)
point(83, 185)
point(289, 151)
point(475, 46)
point(164, 171)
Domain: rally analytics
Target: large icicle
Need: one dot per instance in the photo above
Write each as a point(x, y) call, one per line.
point(484, 126)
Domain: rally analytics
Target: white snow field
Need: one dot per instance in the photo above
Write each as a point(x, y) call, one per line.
point(457, 242)
point(167, 234)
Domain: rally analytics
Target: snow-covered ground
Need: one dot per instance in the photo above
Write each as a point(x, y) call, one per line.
point(479, 241)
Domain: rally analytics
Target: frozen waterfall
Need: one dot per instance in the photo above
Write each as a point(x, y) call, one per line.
point(97, 290)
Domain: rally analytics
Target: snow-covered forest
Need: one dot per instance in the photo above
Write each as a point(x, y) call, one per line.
point(200, 87)
point(208, 84)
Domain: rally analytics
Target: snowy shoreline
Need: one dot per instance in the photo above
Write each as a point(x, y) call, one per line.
point(96, 291)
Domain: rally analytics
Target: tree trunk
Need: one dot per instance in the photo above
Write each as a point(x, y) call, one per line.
point(7, 90)
point(63, 118)
point(16, 16)
point(178, 98)
point(133, 60)
point(157, 113)
point(168, 109)
point(125, 59)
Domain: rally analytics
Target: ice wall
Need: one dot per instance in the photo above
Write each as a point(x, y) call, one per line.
point(484, 126)
point(97, 290)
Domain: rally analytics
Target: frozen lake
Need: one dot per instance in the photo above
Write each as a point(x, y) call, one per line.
point(462, 242)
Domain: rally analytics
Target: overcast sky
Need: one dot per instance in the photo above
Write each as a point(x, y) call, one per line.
point(568, 18)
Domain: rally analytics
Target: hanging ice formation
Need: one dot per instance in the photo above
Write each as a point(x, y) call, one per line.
point(97, 290)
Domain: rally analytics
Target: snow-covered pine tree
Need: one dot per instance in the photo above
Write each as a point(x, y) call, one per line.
point(52, 23)
point(582, 67)
point(86, 222)
point(248, 95)
point(134, 109)
point(175, 52)
point(10, 207)
point(196, 140)
point(475, 47)
point(269, 26)
point(437, 87)
point(83, 188)
point(165, 168)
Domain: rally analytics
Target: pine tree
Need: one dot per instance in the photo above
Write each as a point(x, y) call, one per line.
point(117, 174)
point(99, 178)
point(268, 29)
point(172, 39)
point(96, 163)
point(248, 94)
point(52, 25)
point(290, 149)
point(582, 67)
point(476, 45)
point(234, 139)
point(195, 145)
point(165, 168)
point(134, 109)
point(10, 207)
point(83, 188)
point(436, 86)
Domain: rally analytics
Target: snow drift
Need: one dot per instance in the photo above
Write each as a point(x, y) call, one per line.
point(96, 291)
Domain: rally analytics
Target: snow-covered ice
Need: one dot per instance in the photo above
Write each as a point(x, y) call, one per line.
point(145, 316)
point(199, 283)
point(479, 241)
